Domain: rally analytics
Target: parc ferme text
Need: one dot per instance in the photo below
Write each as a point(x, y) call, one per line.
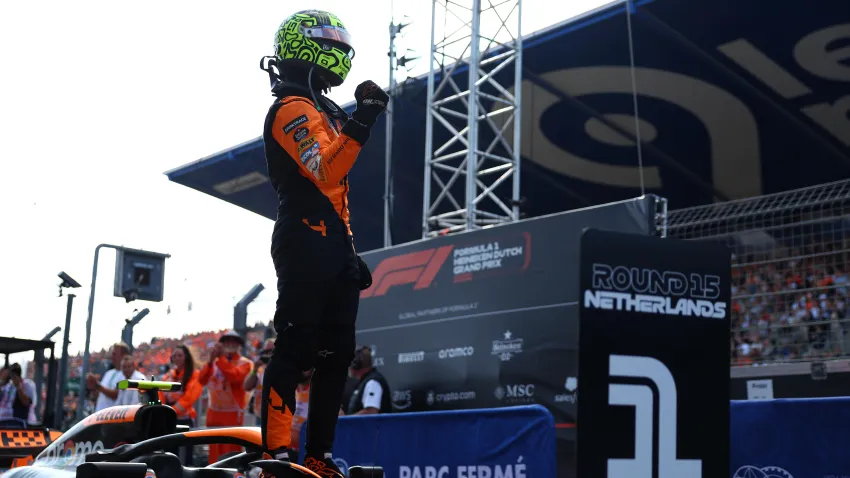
point(510, 470)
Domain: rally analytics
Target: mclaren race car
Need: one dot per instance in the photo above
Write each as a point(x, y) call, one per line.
point(140, 441)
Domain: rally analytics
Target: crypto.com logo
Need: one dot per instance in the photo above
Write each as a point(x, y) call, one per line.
point(418, 268)
point(641, 398)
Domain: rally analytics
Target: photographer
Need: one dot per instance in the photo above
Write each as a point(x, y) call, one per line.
point(17, 396)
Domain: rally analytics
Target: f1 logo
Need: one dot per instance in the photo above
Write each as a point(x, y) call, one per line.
point(419, 268)
point(641, 398)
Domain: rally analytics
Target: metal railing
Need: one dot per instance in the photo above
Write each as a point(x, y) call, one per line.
point(790, 282)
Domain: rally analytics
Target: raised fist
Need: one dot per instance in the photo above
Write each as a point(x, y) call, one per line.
point(371, 102)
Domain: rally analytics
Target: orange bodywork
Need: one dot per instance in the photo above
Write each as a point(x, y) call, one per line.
point(25, 461)
point(247, 434)
point(119, 414)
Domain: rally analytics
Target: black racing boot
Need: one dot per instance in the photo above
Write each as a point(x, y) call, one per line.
point(323, 466)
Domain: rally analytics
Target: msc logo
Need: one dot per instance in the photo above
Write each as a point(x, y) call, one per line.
point(418, 268)
point(515, 393)
point(641, 398)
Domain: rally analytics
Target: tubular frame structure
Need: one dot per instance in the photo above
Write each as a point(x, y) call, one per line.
point(462, 138)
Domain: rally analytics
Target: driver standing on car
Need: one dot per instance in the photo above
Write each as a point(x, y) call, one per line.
point(224, 376)
point(311, 144)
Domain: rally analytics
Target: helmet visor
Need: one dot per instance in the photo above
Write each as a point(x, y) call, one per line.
point(340, 38)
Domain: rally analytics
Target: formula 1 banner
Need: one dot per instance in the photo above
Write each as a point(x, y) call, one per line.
point(653, 357)
point(486, 318)
point(515, 442)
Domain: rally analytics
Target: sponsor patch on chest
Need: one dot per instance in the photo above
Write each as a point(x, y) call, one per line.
point(294, 124)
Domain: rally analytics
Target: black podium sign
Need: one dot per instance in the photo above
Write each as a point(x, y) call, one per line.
point(653, 381)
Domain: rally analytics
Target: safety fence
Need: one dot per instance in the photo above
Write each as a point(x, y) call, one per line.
point(789, 273)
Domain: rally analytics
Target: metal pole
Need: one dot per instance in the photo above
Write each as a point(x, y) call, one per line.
point(429, 127)
point(472, 136)
point(388, 144)
point(63, 363)
point(81, 403)
point(240, 310)
point(49, 418)
point(38, 375)
point(517, 156)
point(52, 333)
point(38, 368)
point(127, 332)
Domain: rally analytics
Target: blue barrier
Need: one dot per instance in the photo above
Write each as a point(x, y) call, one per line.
point(790, 438)
point(511, 442)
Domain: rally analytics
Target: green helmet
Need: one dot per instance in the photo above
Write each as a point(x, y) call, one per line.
point(313, 38)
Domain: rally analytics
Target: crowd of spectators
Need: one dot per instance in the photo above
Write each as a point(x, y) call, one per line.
point(152, 358)
point(791, 304)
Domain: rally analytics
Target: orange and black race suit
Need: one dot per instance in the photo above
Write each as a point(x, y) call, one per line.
point(309, 157)
point(309, 150)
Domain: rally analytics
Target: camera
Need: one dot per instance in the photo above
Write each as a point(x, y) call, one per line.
point(265, 358)
point(131, 294)
point(67, 281)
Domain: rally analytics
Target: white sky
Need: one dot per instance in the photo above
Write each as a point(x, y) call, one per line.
point(99, 98)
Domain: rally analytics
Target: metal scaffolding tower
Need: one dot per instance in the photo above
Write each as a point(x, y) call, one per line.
point(464, 141)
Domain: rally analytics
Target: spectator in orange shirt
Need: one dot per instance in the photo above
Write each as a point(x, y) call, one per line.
point(224, 376)
point(183, 402)
point(183, 371)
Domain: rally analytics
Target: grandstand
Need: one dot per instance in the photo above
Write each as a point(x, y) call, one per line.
point(790, 270)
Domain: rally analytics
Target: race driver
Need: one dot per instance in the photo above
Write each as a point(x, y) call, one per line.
point(311, 144)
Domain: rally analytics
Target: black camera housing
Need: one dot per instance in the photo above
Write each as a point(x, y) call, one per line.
point(67, 281)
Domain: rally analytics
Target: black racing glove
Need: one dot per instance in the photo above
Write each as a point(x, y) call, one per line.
point(371, 102)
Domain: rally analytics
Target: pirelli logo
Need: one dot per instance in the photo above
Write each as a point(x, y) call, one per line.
point(417, 268)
